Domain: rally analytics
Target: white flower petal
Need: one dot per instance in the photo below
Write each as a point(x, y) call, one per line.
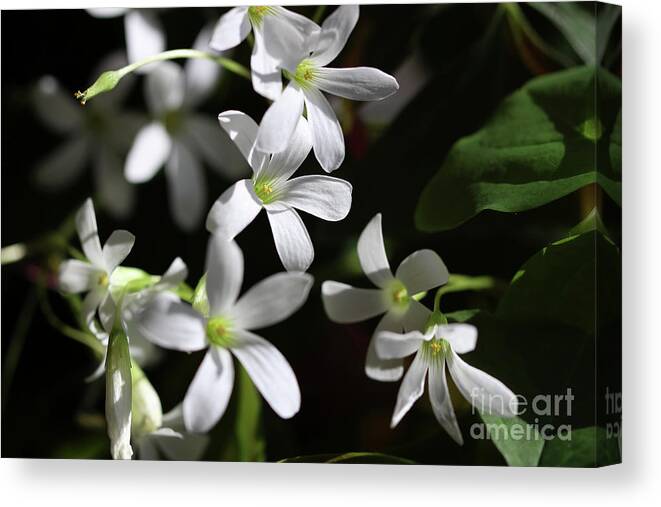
point(117, 247)
point(327, 136)
point(151, 148)
point(106, 12)
point(335, 32)
point(144, 36)
point(292, 240)
point(411, 389)
point(77, 276)
point(391, 345)
point(215, 147)
point(284, 42)
point(357, 83)
point(462, 337)
point(486, 393)
point(280, 120)
point(107, 310)
point(234, 210)
point(441, 402)
point(88, 233)
point(165, 88)
point(224, 274)
point(345, 304)
point(372, 253)
point(416, 316)
point(421, 271)
point(266, 76)
point(272, 300)
point(231, 29)
point(116, 195)
point(270, 372)
point(186, 187)
point(322, 196)
point(161, 318)
point(174, 275)
point(285, 163)
point(377, 368)
point(118, 397)
point(58, 110)
point(209, 392)
point(301, 24)
point(201, 74)
point(90, 306)
point(182, 447)
point(242, 130)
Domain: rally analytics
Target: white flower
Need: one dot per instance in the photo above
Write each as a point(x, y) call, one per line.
point(143, 31)
point(272, 189)
point(154, 433)
point(441, 344)
point(94, 276)
point(118, 396)
point(234, 26)
point(178, 138)
point(166, 321)
point(305, 59)
point(99, 135)
point(419, 272)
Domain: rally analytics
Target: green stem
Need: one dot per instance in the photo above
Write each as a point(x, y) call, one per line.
point(319, 13)
point(460, 283)
point(109, 79)
point(85, 338)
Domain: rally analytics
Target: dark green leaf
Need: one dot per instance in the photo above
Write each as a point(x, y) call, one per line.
point(544, 142)
point(587, 447)
point(576, 23)
point(520, 445)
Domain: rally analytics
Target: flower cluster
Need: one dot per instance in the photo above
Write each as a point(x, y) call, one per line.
point(129, 310)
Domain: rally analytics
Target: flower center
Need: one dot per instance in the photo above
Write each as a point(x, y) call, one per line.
point(306, 72)
point(266, 190)
point(219, 332)
point(256, 13)
point(398, 296)
point(103, 280)
point(434, 350)
point(172, 120)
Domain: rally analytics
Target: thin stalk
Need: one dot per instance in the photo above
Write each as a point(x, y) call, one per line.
point(319, 13)
point(460, 283)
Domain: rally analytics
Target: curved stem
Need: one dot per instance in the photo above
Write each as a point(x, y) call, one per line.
point(175, 54)
point(460, 283)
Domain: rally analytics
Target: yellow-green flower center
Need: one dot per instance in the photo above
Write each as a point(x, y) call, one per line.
point(256, 13)
point(266, 190)
point(305, 74)
point(103, 280)
point(219, 332)
point(434, 350)
point(173, 120)
point(398, 295)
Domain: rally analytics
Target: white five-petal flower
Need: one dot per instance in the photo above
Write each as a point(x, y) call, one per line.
point(234, 26)
point(178, 138)
point(439, 345)
point(305, 57)
point(98, 135)
point(225, 330)
point(421, 271)
point(94, 276)
point(272, 189)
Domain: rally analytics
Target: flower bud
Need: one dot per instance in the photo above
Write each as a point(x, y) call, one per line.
point(118, 395)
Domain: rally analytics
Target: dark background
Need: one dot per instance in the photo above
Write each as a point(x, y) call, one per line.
point(47, 406)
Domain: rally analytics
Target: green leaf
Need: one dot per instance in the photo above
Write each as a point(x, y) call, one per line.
point(587, 447)
point(544, 141)
point(576, 23)
point(250, 443)
point(558, 284)
point(520, 444)
point(351, 457)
